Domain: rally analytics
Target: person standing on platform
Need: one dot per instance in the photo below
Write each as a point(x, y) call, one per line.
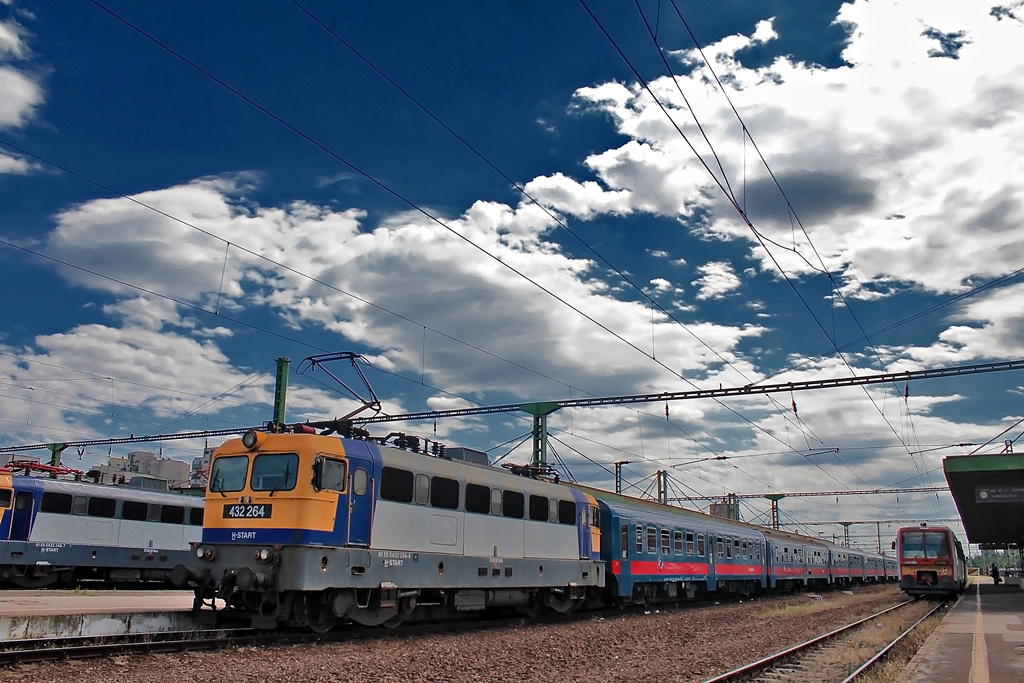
point(994, 573)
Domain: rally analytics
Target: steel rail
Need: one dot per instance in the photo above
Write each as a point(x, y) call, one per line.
point(770, 660)
point(881, 654)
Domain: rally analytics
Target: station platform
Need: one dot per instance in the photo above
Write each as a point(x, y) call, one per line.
point(980, 640)
point(31, 614)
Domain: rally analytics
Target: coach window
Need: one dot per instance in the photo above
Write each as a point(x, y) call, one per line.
point(538, 508)
point(495, 501)
point(133, 509)
point(677, 542)
point(395, 484)
point(478, 499)
point(639, 539)
point(173, 514)
point(728, 548)
point(422, 493)
point(513, 503)
point(274, 472)
point(721, 546)
point(700, 545)
point(689, 543)
point(624, 539)
point(736, 547)
point(444, 493)
point(652, 540)
point(567, 512)
point(228, 473)
point(195, 516)
point(329, 474)
point(666, 543)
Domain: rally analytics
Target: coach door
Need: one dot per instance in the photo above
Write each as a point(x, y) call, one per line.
point(360, 500)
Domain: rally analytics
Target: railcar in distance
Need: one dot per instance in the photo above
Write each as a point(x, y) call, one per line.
point(57, 532)
point(931, 561)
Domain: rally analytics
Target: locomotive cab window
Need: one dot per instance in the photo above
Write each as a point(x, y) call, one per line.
point(5, 498)
point(329, 474)
point(274, 472)
point(228, 473)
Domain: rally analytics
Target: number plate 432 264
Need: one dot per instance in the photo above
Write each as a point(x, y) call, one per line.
point(261, 511)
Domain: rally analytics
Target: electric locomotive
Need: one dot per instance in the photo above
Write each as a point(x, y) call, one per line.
point(304, 529)
point(61, 532)
point(931, 561)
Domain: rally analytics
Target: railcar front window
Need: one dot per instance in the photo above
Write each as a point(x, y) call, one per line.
point(274, 472)
point(228, 473)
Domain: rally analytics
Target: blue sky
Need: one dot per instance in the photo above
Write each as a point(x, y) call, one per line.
point(189, 192)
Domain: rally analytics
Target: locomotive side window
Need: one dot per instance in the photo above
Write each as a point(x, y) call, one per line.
point(195, 516)
point(538, 508)
point(700, 545)
point(553, 510)
point(59, 503)
point(133, 509)
point(513, 503)
point(80, 506)
point(495, 501)
point(652, 539)
point(689, 543)
point(567, 512)
point(102, 507)
point(228, 473)
point(360, 481)
point(172, 514)
point(395, 484)
point(444, 493)
point(274, 472)
point(329, 474)
point(154, 512)
point(478, 498)
point(422, 492)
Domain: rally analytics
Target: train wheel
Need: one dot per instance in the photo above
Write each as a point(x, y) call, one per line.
point(312, 611)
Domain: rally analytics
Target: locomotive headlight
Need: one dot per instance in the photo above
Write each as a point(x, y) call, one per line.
point(250, 439)
point(264, 554)
point(204, 552)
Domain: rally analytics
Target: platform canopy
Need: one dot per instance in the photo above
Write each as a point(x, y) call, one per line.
point(989, 493)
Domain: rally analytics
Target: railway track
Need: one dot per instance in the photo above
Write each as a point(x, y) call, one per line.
point(828, 657)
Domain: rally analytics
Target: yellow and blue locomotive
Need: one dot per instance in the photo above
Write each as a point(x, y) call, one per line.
point(304, 529)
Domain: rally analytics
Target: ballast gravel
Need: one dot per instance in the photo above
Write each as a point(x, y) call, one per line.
point(685, 644)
